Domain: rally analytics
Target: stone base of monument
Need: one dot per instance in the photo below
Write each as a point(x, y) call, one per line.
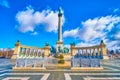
point(28, 68)
point(105, 57)
point(65, 65)
point(87, 68)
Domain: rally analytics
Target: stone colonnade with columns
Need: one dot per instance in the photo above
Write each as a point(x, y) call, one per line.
point(30, 51)
point(92, 50)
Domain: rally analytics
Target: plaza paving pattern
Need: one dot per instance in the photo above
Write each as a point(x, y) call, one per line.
point(110, 72)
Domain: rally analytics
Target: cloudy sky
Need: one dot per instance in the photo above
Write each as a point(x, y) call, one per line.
point(35, 22)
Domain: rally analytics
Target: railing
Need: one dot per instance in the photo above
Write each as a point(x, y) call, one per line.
point(29, 62)
point(36, 62)
point(85, 62)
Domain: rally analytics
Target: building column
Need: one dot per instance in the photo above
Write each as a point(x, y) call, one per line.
point(22, 52)
point(90, 52)
point(82, 51)
point(28, 52)
point(37, 52)
point(94, 52)
point(33, 53)
point(98, 51)
point(86, 52)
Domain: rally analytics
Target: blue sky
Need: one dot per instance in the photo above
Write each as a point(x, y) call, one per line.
point(34, 22)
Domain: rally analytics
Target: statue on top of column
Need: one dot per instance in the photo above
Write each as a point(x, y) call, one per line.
point(60, 12)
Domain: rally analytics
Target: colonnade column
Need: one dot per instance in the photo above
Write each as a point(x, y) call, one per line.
point(94, 53)
point(90, 52)
point(98, 51)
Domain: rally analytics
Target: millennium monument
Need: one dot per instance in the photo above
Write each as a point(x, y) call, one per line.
point(59, 42)
point(30, 57)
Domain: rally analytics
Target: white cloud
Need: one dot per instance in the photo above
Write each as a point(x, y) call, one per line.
point(30, 19)
point(112, 43)
point(98, 27)
point(94, 30)
point(117, 35)
point(67, 46)
point(71, 33)
point(82, 44)
point(34, 33)
point(4, 3)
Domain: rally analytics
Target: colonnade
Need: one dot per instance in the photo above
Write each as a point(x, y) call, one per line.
point(89, 50)
point(31, 52)
point(92, 50)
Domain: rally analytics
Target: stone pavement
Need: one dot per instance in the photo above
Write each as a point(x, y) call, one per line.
point(110, 72)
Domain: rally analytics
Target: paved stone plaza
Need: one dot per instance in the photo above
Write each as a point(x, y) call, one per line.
point(110, 72)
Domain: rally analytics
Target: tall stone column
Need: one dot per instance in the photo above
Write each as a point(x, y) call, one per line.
point(59, 42)
point(60, 26)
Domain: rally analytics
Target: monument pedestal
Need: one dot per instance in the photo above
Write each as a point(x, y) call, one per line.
point(59, 44)
point(65, 65)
